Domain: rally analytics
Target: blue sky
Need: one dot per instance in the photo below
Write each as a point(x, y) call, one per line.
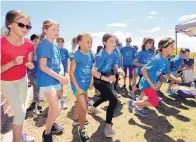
point(135, 19)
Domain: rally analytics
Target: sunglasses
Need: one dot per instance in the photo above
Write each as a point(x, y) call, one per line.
point(21, 25)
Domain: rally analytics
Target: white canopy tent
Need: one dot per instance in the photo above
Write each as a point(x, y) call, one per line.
point(188, 28)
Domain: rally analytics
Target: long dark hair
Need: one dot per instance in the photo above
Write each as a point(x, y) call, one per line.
point(106, 37)
point(164, 43)
point(145, 41)
point(99, 48)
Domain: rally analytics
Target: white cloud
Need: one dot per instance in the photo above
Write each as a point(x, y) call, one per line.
point(162, 18)
point(117, 25)
point(151, 17)
point(119, 34)
point(153, 12)
point(132, 20)
point(98, 34)
point(155, 29)
point(128, 33)
point(187, 17)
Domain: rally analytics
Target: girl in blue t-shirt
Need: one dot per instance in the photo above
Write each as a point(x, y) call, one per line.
point(175, 66)
point(64, 60)
point(81, 80)
point(142, 58)
point(32, 78)
point(151, 71)
point(134, 73)
point(47, 76)
point(128, 55)
point(105, 67)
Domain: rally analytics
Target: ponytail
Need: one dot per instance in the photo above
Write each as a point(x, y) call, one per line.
point(42, 35)
point(156, 52)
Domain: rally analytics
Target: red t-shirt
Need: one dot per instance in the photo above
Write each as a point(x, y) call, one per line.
point(9, 52)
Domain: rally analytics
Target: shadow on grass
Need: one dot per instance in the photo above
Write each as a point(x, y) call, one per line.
point(40, 120)
point(7, 126)
point(157, 129)
point(177, 102)
point(117, 111)
point(99, 136)
point(171, 111)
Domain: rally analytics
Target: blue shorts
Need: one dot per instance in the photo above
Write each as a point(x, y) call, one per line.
point(56, 87)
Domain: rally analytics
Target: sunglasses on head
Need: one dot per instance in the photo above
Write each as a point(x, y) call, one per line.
point(21, 25)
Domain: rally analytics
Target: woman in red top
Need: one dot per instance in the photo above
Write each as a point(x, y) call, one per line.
point(16, 56)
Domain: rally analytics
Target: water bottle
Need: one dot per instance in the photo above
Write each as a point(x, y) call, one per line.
point(192, 85)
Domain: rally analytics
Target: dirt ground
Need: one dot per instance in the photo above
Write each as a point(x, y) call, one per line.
point(174, 120)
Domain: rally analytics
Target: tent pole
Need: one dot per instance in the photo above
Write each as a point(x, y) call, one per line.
point(176, 41)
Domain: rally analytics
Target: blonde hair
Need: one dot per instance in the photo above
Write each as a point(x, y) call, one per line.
point(47, 24)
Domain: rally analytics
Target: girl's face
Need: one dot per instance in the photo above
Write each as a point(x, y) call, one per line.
point(52, 32)
point(186, 55)
point(35, 42)
point(111, 43)
point(149, 45)
point(20, 26)
point(60, 43)
point(169, 50)
point(85, 43)
point(128, 42)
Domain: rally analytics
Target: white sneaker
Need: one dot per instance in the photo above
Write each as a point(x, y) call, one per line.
point(108, 131)
point(26, 138)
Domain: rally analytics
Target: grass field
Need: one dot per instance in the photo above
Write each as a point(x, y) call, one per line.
point(174, 120)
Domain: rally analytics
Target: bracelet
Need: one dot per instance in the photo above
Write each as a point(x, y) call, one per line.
point(100, 76)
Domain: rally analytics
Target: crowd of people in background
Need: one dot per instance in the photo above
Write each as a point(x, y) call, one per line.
point(43, 63)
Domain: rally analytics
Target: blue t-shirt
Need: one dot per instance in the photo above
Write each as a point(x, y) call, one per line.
point(50, 51)
point(64, 56)
point(143, 57)
point(84, 64)
point(105, 62)
point(155, 67)
point(128, 55)
point(118, 53)
point(175, 63)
